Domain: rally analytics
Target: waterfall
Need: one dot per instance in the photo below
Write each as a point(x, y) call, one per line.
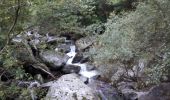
point(84, 72)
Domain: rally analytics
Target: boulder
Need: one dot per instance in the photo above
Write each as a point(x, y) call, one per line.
point(105, 90)
point(158, 92)
point(71, 69)
point(89, 67)
point(85, 42)
point(65, 48)
point(53, 59)
point(70, 87)
point(107, 70)
point(128, 90)
point(79, 58)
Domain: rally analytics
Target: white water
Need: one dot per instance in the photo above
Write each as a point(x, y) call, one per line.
point(84, 72)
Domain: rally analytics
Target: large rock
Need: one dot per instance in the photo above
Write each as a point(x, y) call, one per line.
point(110, 71)
point(70, 87)
point(128, 90)
point(90, 67)
point(65, 48)
point(105, 90)
point(79, 58)
point(53, 59)
point(84, 43)
point(159, 92)
point(71, 69)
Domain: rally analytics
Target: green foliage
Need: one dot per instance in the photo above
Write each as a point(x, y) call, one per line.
point(94, 29)
point(65, 16)
point(116, 1)
point(15, 92)
point(7, 14)
point(135, 34)
point(8, 60)
point(11, 65)
point(159, 70)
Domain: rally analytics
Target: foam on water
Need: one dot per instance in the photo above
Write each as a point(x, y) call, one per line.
point(89, 74)
point(71, 54)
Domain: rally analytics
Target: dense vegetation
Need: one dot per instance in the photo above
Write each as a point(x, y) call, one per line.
point(139, 34)
point(126, 31)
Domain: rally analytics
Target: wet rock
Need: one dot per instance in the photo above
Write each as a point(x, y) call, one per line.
point(70, 87)
point(54, 39)
point(84, 43)
point(90, 67)
point(71, 35)
point(129, 94)
point(71, 69)
point(53, 59)
point(128, 90)
point(126, 85)
point(107, 70)
point(79, 58)
point(65, 48)
point(105, 90)
point(65, 58)
point(159, 92)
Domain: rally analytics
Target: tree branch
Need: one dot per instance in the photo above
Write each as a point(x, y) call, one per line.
point(12, 26)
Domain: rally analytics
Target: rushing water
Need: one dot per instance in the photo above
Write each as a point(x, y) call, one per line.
point(84, 72)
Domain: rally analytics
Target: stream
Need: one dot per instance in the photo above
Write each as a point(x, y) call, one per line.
point(88, 77)
point(84, 72)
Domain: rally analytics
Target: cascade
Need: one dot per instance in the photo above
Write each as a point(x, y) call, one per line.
point(84, 72)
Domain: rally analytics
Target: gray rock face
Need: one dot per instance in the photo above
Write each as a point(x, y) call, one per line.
point(53, 59)
point(111, 71)
point(159, 92)
point(79, 58)
point(65, 48)
point(70, 87)
point(84, 43)
point(128, 90)
point(71, 69)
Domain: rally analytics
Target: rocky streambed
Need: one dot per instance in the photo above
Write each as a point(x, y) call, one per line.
point(69, 75)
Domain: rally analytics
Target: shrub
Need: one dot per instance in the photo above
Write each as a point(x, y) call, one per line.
point(137, 34)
